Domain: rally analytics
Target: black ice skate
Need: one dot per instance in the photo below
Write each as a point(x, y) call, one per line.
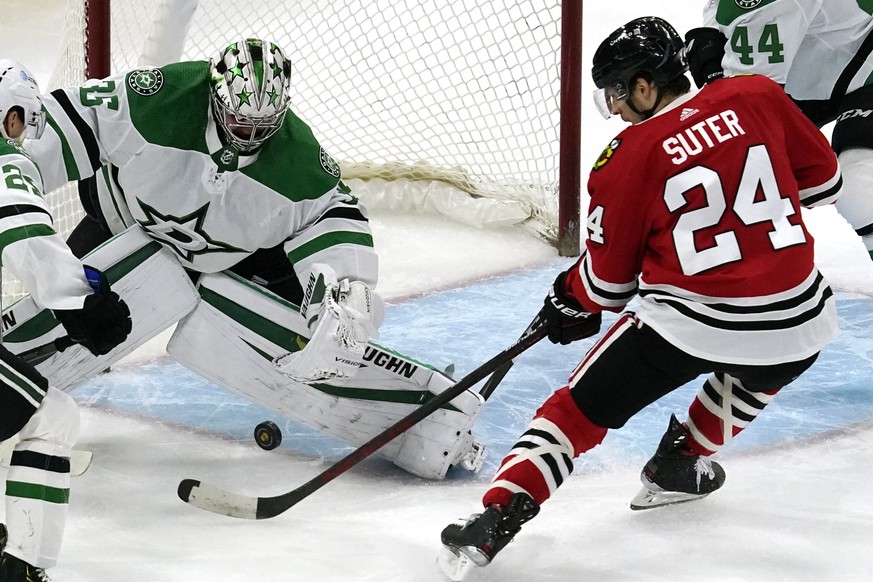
point(475, 542)
point(14, 570)
point(676, 474)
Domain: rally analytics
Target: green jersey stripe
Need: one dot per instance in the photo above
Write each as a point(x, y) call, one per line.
point(20, 384)
point(24, 232)
point(327, 240)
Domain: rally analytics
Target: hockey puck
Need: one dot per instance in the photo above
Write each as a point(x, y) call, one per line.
point(267, 435)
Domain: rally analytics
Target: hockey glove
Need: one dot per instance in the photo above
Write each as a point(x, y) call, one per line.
point(347, 315)
point(704, 49)
point(566, 319)
point(103, 322)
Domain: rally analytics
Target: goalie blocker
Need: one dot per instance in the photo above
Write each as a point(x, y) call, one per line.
point(237, 332)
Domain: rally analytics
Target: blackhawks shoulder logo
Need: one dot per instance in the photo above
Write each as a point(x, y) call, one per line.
point(607, 154)
point(146, 81)
point(328, 163)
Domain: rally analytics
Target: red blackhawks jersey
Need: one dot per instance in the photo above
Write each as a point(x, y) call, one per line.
point(697, 210)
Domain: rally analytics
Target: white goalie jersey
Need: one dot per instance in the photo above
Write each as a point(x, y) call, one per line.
point(151, 138)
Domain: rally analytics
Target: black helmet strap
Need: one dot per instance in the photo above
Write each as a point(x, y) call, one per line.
point(648, 112)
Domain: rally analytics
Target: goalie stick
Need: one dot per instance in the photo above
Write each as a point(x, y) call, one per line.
point(35, 356)
point(217, 500)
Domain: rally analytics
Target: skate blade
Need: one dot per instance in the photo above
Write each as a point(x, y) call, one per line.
point(648, 499)
point(455, 565)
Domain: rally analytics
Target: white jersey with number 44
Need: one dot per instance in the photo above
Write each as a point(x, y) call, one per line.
point(809, 46)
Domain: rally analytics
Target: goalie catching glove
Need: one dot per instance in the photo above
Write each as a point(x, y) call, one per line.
point(343, 316)
point(566, 319)
point(103, 322)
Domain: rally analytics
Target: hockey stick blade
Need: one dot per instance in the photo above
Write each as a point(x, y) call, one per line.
point(220, 501)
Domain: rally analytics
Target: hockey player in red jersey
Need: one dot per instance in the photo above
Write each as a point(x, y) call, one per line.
point(695, 209)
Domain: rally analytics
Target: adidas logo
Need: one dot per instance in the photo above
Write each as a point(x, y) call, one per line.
point(686, 113)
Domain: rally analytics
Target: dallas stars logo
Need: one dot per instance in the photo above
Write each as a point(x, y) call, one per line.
point(184, 234)
point(146, 81)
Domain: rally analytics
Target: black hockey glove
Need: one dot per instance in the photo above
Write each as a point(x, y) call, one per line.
point(103, 322)
point(704, 49)
point(567, 320)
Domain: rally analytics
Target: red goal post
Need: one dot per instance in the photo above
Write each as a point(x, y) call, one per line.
point(470, 107)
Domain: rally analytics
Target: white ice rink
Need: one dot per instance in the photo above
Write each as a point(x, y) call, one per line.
point(796, 507)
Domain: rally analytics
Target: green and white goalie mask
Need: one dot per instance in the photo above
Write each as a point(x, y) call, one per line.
point(250, 91)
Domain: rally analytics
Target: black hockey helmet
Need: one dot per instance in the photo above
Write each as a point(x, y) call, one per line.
point(644, 45)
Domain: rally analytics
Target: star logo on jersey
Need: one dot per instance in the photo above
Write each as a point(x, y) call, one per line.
point(146, 81)
point(184, 234)
point(606, 154)
point(687, 112)
point(747, 4)
point(328, 163)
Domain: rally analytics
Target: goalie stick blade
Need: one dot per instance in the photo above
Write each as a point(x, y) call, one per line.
point(218, 500)
point(648, 499)
point(454, 566)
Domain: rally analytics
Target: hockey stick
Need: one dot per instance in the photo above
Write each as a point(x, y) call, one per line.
point(41, 353)
point(232, 504)
point(497, 376)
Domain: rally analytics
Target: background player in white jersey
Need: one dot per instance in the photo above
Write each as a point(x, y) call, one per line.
point(208, 159)
point(695, 208)
point(45, 419)
point(820, 51)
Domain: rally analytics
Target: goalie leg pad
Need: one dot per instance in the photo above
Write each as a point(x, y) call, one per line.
point(145, 274)
point(440, 440)
point(238, 329)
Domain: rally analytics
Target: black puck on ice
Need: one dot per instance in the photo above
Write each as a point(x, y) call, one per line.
point(267, 435)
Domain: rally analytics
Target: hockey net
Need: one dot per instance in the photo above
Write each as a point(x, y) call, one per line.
point(448, 106)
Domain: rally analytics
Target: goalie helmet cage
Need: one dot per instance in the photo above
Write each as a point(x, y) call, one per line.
point(410, 96)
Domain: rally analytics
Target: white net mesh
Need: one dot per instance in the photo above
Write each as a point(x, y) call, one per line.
point(463, 92)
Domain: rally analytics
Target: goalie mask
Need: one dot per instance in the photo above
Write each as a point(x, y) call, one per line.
point(647, 46)
point(18, 89)
point(250, 91)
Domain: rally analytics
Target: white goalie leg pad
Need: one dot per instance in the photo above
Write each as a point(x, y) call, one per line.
point(238, 329)
point(440, 440)
point(38, 481)
point(343, 316)
point(143, 273)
